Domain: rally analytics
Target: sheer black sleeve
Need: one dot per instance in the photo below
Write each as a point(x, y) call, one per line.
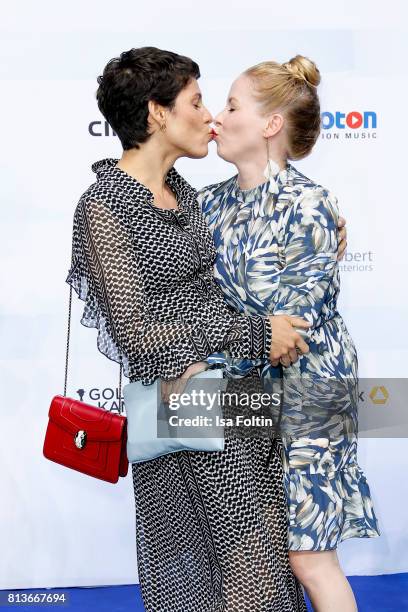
point(106, 274)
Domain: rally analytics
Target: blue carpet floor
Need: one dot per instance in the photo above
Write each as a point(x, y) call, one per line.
point(387, 593)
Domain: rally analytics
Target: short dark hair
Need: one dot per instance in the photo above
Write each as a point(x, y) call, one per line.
point(128, 83)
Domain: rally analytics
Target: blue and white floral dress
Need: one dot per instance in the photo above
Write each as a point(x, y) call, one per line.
point(277, 253)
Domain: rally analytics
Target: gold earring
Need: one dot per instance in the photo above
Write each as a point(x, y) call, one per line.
point(163, 127)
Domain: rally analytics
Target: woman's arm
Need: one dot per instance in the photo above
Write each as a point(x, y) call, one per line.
point(152, 347)
point(310, 250)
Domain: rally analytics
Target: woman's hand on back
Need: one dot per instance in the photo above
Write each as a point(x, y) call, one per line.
point(342, 238)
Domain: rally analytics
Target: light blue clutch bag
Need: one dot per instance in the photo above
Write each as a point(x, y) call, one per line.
point(155, 428)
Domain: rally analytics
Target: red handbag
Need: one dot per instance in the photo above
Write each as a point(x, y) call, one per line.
point(86, 438)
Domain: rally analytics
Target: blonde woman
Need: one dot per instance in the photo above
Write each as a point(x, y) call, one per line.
point(275, 232)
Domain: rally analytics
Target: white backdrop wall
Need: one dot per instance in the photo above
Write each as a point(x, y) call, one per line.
point(57, 527)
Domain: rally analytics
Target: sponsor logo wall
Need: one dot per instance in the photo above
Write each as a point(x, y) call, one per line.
point(52, 132)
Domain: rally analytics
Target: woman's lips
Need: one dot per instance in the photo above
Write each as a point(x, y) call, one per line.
point(213, 134)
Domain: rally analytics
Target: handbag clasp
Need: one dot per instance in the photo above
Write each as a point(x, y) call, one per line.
point(80, 438)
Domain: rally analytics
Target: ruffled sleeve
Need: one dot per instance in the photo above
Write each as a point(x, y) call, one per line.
point(106, 274)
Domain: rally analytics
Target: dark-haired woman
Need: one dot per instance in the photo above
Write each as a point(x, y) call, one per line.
point(275, 231)
point(210, 526)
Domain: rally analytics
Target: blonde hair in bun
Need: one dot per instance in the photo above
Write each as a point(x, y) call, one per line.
point(291, 88)
point(303, 68)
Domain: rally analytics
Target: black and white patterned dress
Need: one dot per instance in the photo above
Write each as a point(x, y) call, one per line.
point(211, 527)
